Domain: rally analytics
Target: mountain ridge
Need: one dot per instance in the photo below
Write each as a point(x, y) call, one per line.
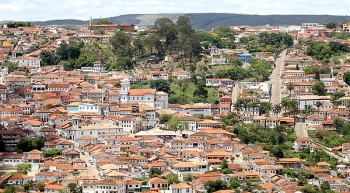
point(206, 20)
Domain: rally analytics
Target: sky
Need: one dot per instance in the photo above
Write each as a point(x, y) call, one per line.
point(43, 10)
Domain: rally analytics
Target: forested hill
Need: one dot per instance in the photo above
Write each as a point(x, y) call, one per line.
point(207, 20)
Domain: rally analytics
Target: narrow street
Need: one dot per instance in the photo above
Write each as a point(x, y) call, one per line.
point(92, 169)
point(275, 79)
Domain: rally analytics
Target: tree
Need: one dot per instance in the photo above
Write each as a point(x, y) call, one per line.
point(317, 76)
point(40, 186)
point(102, 21)
point(297, 67)
point(173, 179)
point(28, 186)
point(72, 187)
point(200, 90)
point(164, 118)
point(224, 32)
point(325, 186)
point(166, 29)
point(52, 152)
point(318, 104)
point(234, 183)
point(62, 51)
point(10, 189)
point(331, 25)
point(285, 103)
point(121, 43)
point(346, 78)
point(277, 109)
point(175, 124)
point(224, 167)
point(290, 87)
point(11, 66)
point(26, 145)
point(319, 88)
point(23, 168)
point(160, 85)
point(339, 124)
point(47, 58)
point(188, 177)
point(265, 107)
point(212, 186)
point(155, 172)
point(308, 189)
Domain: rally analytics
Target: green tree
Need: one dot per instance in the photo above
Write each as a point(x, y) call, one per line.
point(265, 107)
point(290, 87)
point(23, 168)
point(160, 85)
point(102, 21)
point(62, 51)
point(188, 177)
point(173, 179)
point(72, 187)
point(346, 78)
point(234, 183)
point(224, 32)
point(339, 124)
point(331, 25)
point(121, 43)
point(319, 88)
point(318, 104)
point(200, 90)
point(166, 29)
point(164, 118)
point(40, 186)
point(309, 189)
point(28, 186)
point(325, 187)
point(11, 66)
point(224, 167)
point(26, 145)
point(175, 124)
point(52, 152)
point(212, 186)
point(10, 189)
point(154, 172)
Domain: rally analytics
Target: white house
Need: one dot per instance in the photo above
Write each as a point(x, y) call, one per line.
point(149, 97)
point(27, 61)
point(105, 185)
point(305, 100)
point(180, 188)
point(300, 144)
point(55, 188)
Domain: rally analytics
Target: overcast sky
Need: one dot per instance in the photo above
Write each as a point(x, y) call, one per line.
point(42, 10)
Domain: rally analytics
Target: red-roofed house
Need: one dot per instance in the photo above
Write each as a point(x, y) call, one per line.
point(300, 144)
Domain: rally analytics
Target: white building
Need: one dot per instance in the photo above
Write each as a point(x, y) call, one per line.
point(27, 61)
point(305, 100)
point(264, 86)
point(108, 185)
point(149, 97)
point(94, 130)
point(300, 144)
point(83, 107)
point(180, 188)
point(98, 67)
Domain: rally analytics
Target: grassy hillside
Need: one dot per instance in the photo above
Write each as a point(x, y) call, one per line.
point(207, 20)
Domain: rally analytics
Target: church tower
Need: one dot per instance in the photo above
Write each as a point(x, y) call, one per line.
point(90, 23)
point(125, 84)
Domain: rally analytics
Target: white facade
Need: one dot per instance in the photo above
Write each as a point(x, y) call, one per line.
point(306, 100)
point(149, 97)
point(27, 61)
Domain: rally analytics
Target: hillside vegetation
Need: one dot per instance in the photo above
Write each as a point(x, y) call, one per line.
point(206, 20)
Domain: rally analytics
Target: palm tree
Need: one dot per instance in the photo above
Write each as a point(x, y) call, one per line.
point(238, 106)
point(318, 104)
point(309, 109)
point(277, 109)
point(295, 107)
point(251, 93)
point(290, 87)
point(285, 103)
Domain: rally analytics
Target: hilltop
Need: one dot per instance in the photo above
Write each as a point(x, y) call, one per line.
point(207, 20)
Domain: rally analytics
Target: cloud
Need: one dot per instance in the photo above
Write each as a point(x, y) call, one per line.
point(40, 10)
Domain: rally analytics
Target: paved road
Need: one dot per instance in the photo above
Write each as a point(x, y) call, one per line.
point(234, 94)
point(300, 129)
point(275, 79)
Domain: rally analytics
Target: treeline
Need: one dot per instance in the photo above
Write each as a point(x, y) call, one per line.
point(323, 52)
point(18, 24)
point(268, 42)
point(259, 70)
